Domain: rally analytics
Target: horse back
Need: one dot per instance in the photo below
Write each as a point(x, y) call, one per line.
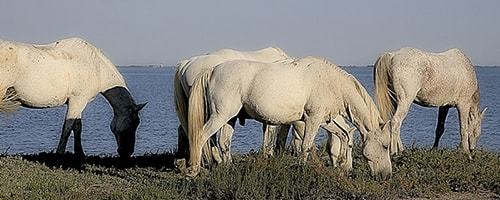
point(439, 78)
point(271, 92)
point(66, 68)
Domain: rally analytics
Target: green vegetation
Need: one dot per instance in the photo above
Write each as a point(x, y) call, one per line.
point(417, 173)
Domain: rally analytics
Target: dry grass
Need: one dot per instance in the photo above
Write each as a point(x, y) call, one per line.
point(418, 173)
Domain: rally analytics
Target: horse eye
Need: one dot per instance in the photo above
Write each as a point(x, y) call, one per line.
point(386, 146)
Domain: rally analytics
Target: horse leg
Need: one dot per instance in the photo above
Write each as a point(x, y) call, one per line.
point(350, 145)
point(281, 138)
point(269, 139)
point(463, 117)
point(443, 112)
point(396, 121)
point(226, 134)
point(332, 145)
point(347, 150)
point(182, 143)
point(210, 128)
point(297, 137)
point(67, 127)
point(77, 131)
point(338, 145)
point(312, 125)
point(213, 145)
point(210, 151)
point(73, 114)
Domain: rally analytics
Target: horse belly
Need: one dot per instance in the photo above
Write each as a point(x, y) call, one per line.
point(435, 98)
point(274, 114)
point(42, 89)
point(276, 103)
point(439, 92)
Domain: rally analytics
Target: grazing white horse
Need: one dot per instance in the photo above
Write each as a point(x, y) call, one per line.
point(441, 80)
point(186, 73)
point(70, 71)
point(310, 90)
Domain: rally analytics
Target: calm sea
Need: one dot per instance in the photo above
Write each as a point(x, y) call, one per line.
point(32, 131)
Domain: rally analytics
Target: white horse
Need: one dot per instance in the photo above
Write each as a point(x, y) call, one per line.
point(441, 80)
point(313, 91)
point(70, 71)
point(274, 136)
point(186, 73)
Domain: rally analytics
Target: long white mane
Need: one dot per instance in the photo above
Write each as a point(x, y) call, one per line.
point(365, 96)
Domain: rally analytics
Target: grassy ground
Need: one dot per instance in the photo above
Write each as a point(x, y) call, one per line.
point(418, 173)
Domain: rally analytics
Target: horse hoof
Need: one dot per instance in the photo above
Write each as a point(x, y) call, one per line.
point(80, 155)
point(193, 171)
point(60, 152)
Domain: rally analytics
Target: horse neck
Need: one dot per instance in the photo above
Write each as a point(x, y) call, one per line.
point(361, 108)
point(120, 99)
point(109, 75)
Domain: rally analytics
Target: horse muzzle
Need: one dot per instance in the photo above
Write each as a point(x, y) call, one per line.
point(125, 153)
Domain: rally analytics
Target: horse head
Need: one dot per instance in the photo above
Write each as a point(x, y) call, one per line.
point(376, 151)
point(475, 118)
point(124, 127)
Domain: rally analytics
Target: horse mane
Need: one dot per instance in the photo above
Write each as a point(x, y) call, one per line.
point(372, 108)
point(283, 53)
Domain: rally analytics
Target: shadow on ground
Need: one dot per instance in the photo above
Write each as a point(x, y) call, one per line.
point(162, 161)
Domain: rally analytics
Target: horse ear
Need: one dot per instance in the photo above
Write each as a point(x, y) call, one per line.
point(140, 106)
point(482, 112)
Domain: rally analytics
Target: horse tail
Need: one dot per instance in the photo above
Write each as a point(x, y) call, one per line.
point(8, 101)
point(180, 97)
point(197, 113)
point(384, 91)
point(181, 108)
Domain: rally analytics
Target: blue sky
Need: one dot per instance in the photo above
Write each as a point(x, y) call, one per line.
point(346, 32)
